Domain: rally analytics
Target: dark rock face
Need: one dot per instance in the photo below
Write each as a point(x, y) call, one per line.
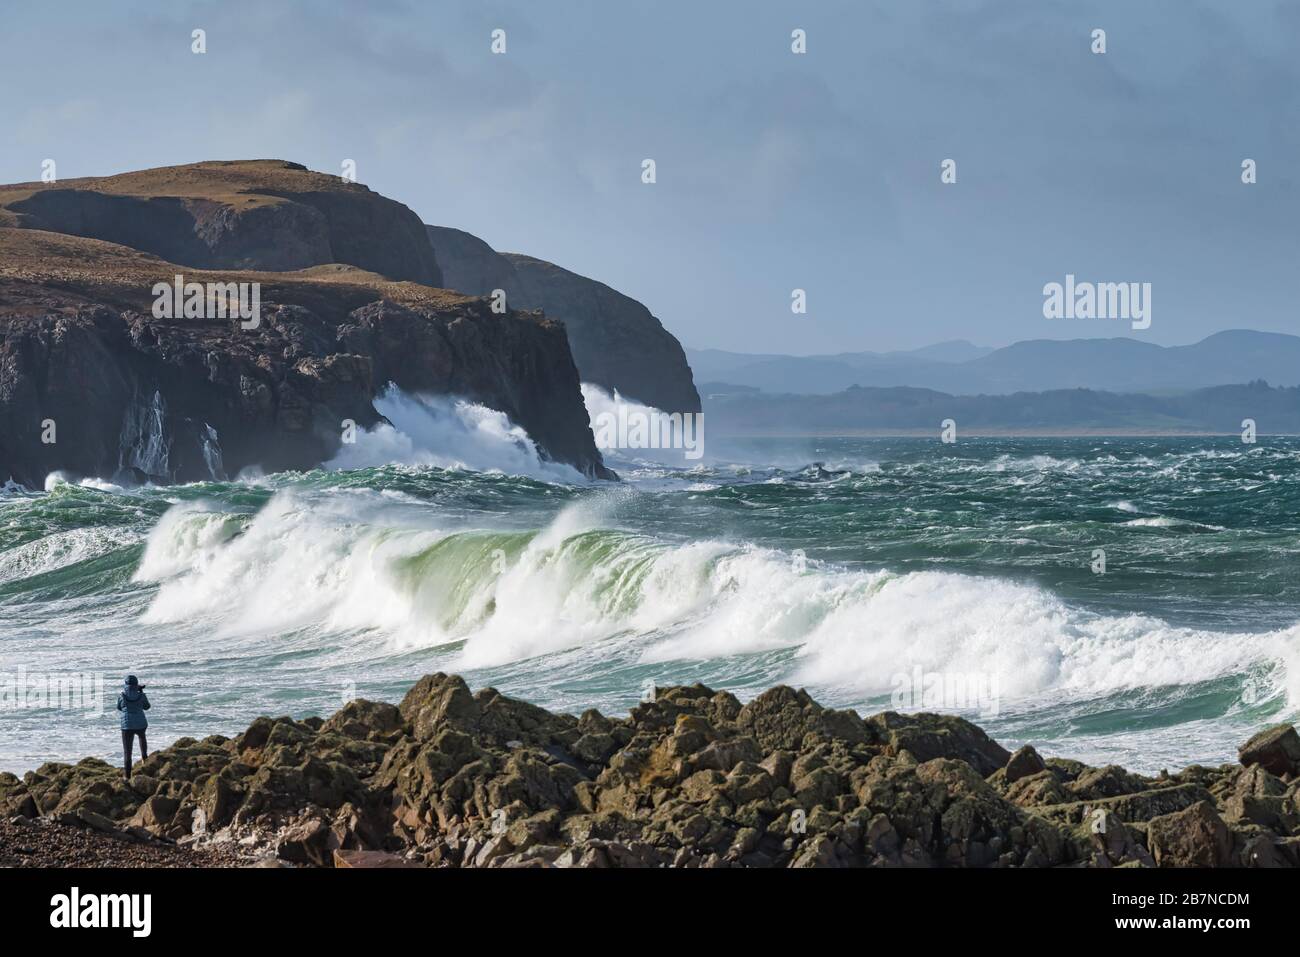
point(223, 402)
point(98, 371)
point(616, 342)
point(135, 397)
point(519, 365)
point(691, 779)
point(258, 214)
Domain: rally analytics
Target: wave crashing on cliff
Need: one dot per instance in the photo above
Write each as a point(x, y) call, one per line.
point(448, 433)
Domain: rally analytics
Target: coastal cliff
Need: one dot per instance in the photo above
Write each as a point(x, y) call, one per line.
point(241, 214)
point(692, 778)
point(617, 343)
point(93, 383)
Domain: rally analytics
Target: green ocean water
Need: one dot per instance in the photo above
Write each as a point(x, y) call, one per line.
point(877, 573)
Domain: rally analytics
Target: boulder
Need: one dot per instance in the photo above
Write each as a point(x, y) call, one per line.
point(370, 720)
point(306, 842)
point(155, 813)
point(782, 717)
point(1107, 782)
point(929, 736)
point(439, 701)
point(219, 799)
point(1194, 837)
point(1275, 749)
point(1023, 763)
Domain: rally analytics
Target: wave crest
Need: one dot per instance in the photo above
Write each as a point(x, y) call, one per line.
point(507, 596)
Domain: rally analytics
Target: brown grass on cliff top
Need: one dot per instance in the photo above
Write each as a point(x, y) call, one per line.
point(34, 263)
point(224, 180)
point(242, 184)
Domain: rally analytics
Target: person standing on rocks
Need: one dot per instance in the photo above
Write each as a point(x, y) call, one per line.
point(133, 703)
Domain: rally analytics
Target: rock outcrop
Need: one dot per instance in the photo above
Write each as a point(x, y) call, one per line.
point(617, 343)
point(245, 214)
point(92, 383)
point(693, 778)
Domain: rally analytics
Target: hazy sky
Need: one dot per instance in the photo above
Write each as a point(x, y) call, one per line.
point(775, 170)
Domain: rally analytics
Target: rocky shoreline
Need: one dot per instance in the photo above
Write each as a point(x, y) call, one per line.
point(692, 778)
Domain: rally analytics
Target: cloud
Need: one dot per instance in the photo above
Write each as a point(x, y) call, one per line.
point(775, 170)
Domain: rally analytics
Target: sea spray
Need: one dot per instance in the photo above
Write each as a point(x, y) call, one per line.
point(451, 433)
point(621, 425)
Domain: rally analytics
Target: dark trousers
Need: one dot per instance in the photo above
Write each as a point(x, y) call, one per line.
point(126, 747)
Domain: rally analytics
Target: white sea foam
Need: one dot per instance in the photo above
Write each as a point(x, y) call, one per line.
point(61, 550)
point(55, 479)
point(238, 569)
point(1165, 521)
point(187, 537)
point(1029, 639)
point(366, 562)
point(444, 432)
point(1031, 463)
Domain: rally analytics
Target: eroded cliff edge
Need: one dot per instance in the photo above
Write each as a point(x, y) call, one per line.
point(79, 347)
point(349, 303)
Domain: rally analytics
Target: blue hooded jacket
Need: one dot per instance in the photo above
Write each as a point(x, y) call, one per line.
point(133, 703)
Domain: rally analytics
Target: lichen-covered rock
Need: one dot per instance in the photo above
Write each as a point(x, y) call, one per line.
point(366, 720)
point(692, 778)
point(928, 736)
point(781, 718)
point(1107, 782)
point(306, 842)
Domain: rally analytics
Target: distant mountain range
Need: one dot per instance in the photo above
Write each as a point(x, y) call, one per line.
point(1120, 365)
point(872, 410)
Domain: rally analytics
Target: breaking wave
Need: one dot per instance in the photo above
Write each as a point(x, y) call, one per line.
point(496, 596)
point(574, 594)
